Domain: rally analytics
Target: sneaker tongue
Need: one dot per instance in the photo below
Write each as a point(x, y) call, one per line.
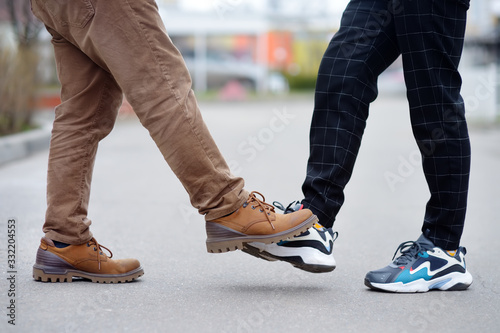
point(425, 242)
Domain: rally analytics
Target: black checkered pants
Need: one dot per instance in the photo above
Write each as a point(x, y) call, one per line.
point(429, 36)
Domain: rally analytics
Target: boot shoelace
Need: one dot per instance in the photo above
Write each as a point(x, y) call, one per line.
point(263, 206)
point(98, 248)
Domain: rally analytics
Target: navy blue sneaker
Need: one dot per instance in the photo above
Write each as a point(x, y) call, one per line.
point(421, 267)
point(312, 251)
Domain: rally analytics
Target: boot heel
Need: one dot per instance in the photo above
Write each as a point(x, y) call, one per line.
point(40, 275)
point(221, 239)
point(51, 268)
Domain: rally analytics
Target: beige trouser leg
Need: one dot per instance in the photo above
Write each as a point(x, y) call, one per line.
point(102, 48)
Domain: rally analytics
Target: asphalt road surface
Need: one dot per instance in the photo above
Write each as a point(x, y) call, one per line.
point(139, 209)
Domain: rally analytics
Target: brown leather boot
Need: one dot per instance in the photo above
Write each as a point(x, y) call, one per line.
point(84, 261)
point(255, 221)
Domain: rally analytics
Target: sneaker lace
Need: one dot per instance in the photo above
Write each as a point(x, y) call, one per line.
point(289, 209)
point(264, 207)
point(409, 250)
point(99, 248)
point(279, 205)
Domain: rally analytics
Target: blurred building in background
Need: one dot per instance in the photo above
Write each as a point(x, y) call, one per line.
point(258, 45)
point(234, 47)
point(274, 45)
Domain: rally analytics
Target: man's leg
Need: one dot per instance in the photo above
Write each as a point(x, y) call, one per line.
point(80, 123)
point(430, 34)
point(157, 84)
point(363, 48)
point(90, 101)
point(432, 46)
point(127, 40)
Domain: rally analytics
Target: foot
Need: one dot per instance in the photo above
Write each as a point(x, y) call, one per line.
point(421, 267)
point(255, 221)
point(86, 261)
point(311, 251)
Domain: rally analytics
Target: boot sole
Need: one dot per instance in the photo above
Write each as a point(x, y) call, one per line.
point(49, 274)
point(221, 239)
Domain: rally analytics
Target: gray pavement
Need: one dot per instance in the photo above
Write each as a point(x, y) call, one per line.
point(139, 209)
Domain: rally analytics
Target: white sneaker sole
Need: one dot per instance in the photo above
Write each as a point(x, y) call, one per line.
point(452, 281)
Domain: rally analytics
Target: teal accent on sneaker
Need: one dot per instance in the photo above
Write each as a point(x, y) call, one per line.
point(421, 267)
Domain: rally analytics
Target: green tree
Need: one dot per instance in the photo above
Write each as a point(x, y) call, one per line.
point(18, 67)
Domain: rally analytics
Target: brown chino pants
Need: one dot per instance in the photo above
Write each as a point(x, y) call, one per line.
point(105, 49)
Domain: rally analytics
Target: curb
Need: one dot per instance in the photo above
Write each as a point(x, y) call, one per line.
point(20, 145)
